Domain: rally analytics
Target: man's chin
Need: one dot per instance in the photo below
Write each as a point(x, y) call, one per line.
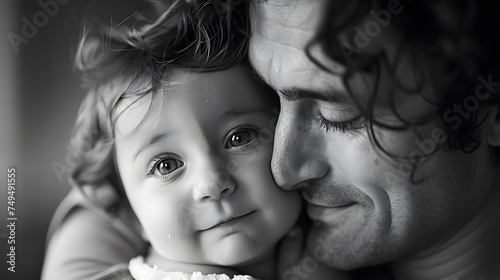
point(342, 249)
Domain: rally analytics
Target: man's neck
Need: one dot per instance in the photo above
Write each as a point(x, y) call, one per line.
point(472, 253)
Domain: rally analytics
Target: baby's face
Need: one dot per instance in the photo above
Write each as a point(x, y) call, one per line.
point(197, 172)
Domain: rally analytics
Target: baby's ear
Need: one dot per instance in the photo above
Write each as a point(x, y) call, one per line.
point(494, 127)
point(103, 196)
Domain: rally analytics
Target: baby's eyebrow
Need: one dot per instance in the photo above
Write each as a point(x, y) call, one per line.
point(233, 113)
point(246, 112)
point(153, 140)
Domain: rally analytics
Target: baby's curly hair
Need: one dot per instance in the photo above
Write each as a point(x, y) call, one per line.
point(130, 62)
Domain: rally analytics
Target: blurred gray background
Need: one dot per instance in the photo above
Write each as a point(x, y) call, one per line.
point(39, 98)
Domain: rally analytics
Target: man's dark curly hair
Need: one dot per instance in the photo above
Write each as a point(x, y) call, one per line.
point(130, 62)
point(462, 36)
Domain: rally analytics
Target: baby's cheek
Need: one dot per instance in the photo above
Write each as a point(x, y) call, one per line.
point(173, 240)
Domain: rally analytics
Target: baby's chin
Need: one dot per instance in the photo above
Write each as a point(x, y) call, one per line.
point(239, 249)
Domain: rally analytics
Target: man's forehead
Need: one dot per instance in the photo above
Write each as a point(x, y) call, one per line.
point(291, 13)
point(277, 47)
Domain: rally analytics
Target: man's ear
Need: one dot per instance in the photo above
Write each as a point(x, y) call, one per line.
point(494, 127)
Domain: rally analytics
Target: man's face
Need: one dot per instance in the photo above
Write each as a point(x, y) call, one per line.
point(367, 208)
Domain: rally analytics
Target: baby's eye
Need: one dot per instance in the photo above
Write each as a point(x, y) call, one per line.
point(166, 166)
point(241, 136)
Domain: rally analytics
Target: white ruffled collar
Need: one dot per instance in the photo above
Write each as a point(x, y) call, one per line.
point(140, 270)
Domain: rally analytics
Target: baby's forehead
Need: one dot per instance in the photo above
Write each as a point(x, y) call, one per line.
point(193, 94)
point(141, 100)
point(131, 112)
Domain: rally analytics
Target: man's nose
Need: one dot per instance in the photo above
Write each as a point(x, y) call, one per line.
point(298, 148)
point(214, 183)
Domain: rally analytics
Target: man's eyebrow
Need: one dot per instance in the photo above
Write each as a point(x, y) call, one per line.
point(297, 93)
point(153, 140)
point(292, 94)
point(257, 76)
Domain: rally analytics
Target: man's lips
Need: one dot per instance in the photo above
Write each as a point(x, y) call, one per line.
point(328, 201)
point(229, 221)
point(332, 194)
point(319, 212)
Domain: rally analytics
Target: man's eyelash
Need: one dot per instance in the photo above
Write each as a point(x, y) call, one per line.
point(328, 125)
